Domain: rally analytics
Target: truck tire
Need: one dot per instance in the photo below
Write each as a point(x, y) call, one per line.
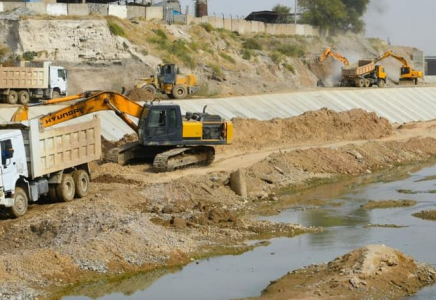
point(66, 189)
point(366, 82)
point(81, 182)
point(381, 83)
point(12, 97)
point(149, 88)
point(23, 97)
point(21, 203)
point(359, 82)
point(55, 95)
point(52, 196)
point(179, 92)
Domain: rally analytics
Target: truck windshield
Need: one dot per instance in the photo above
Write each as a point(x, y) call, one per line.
point(62, 74)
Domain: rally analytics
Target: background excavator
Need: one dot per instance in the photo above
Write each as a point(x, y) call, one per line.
point(170, 139)
point(329, 52)
point(407, 73)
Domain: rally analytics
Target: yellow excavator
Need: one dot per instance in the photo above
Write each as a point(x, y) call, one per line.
point(407, 73)
point(329, 52)
point(170, 139)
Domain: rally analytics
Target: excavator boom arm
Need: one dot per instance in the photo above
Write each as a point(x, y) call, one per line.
point(328, 52)
point(94, 103)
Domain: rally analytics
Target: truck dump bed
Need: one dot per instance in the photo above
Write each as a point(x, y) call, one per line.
point(59, 148)
point(364, 67)
point(24, 77)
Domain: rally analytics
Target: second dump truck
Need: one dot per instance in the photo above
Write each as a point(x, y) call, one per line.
point(52, 162)
point(32, 81)
point(365, 74)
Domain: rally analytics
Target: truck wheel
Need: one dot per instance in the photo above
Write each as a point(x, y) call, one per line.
point(55, 95)
point(23, 97)
point(66, 189)
point(179, 92)
point(366, 82)
point(52, 196)
point(381, 83)
point(12, 97)
point(81, 181)
point(21, 202)
point(149, 88)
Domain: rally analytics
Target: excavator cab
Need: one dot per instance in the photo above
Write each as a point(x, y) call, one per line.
point(160, 125)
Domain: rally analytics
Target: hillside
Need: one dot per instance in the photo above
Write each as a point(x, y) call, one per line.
point(108, 53)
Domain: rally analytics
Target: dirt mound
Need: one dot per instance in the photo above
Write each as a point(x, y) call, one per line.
point(314, 126)
point(140, 95)
point(371, 272)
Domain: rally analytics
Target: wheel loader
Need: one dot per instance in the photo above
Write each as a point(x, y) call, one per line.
point(169, 81)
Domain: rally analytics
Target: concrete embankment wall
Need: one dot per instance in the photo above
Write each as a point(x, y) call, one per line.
point(157, 12)
point(398, 105)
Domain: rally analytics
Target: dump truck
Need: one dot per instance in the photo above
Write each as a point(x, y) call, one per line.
point(51, 162)
point(32, 81)
point(169, 81)
point(365, 74)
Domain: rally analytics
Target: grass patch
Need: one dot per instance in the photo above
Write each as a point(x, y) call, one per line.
point(116, 29)
point(289, 67)
point(388, 204)
point(252, 44)
point(426, 215)
point(228, 57)
point(291, 50)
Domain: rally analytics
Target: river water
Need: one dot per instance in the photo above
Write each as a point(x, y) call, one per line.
point(245, 275)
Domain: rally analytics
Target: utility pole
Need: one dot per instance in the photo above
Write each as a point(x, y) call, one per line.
point(295, 12)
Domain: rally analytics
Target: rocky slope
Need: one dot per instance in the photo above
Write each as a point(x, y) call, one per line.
point(226, 64)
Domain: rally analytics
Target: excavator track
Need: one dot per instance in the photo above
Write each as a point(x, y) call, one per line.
point(180, 158)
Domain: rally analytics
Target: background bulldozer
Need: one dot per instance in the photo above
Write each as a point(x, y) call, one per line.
point(169, 81)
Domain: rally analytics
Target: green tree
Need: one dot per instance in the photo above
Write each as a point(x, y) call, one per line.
point(334, 14)
point(284, 13)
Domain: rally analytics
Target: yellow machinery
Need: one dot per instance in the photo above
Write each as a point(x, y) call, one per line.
point(169, 81)
point(407, 74)
point(170, 139)
point(328, 52)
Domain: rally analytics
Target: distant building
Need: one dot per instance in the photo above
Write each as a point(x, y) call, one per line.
point(264, 16)
point(430, 65)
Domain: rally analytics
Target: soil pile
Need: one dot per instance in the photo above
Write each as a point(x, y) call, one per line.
point(371, 272)
point(314, 127)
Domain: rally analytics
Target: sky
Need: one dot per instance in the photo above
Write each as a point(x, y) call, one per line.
point(401, 22)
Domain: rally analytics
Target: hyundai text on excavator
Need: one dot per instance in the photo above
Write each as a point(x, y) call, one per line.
point(171, 139)
point(407, 73)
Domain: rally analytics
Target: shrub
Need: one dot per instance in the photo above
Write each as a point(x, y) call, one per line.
point(289, 67)
point(291, 50)
point(276, 57)
point(246, 54)
point(207, 26)
point(252, 44)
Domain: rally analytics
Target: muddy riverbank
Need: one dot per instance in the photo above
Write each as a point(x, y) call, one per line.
point(137, 220)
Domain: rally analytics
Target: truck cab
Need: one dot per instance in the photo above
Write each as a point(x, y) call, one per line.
point(13, 164)
point(58, 82)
